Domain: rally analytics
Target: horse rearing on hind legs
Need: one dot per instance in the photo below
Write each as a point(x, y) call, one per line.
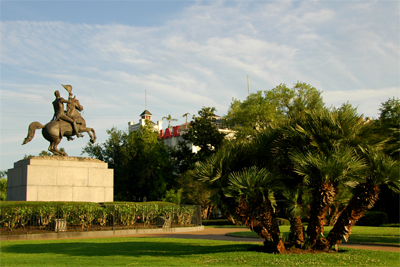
point(55, 130)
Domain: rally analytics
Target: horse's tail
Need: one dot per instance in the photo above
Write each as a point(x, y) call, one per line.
point(31, 131)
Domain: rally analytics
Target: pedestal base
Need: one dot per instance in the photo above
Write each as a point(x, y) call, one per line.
point(60, 179)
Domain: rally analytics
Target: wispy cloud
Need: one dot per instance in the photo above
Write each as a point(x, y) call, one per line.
point(200, 57)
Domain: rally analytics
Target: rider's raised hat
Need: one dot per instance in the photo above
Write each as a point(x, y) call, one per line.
point(67, 87)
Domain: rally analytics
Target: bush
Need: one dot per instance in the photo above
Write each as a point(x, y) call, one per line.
point(373, 218)
point(282, 221)
point(217, 222)
point(19, 214)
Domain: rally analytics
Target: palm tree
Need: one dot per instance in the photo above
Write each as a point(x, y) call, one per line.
point(297, 201)
point(382, 170)
point(215, 172)
point(339, 204)
point(169, 119)
point(323, 173)
point(328, 161)
point(253, 190)
point(186, 115)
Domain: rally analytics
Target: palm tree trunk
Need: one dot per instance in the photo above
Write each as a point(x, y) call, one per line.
point(296, 231)
point(266, 216)
point(365, 196)
point(250, 221)
point(323, 197)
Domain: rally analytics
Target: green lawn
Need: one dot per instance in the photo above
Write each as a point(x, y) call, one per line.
point(388, 235)
point(147, 251)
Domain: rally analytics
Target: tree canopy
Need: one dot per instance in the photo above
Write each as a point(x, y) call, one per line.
point(271, 107)
point(317, 154)
point(142, 166)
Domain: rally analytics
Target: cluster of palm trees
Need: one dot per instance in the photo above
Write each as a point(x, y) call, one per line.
point(312, 161)
point(169, 119)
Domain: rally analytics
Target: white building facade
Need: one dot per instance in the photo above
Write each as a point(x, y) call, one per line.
point(172, 137)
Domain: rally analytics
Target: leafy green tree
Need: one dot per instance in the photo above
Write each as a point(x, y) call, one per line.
point(388, 124)
point(173, 197)
point(196, 192)
point(3, 186)
point(263, 110)
point(142, 166)
point(390, 112)
point(204, 134)
point(3, 189)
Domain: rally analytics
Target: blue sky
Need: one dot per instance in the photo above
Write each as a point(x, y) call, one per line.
point(185, 54)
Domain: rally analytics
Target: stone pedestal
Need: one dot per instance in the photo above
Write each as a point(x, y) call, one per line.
point(60, 179)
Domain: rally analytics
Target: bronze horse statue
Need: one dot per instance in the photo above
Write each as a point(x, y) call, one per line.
point(55, 130)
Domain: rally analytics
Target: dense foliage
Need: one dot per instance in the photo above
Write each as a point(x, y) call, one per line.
point(263, 110)
point(203, 133)
point(142, 166)
point(329, 164)
point(16, 215)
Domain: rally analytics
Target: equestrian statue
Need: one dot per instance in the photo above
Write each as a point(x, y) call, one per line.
point(64, 123)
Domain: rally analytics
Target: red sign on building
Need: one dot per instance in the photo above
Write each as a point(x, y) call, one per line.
point(168, 134)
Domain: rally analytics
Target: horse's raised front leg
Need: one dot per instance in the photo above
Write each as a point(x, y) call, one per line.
point(88, 130)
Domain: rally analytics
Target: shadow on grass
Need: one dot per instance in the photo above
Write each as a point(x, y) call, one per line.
point(136, 247)
point(374, 239)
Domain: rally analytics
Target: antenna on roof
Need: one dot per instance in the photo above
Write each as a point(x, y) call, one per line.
point(145, 99)
point(248, 86)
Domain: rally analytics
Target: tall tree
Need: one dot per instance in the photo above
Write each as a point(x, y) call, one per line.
point(186, 115)
point(3, 186)
point(390, 112)
point(253, 190)
point(169, 119)
point(263, 110)
point(382, 170)
point(142, 166)
point(203, 133)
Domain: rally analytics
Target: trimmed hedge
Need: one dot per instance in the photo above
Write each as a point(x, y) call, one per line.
point(373, 218)
point(281, 221)
point(217, 222)
point(19, 214)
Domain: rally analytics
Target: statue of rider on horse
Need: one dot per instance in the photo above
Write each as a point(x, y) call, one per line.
point(64, 123)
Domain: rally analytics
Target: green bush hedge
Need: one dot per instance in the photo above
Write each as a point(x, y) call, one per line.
point(282, 221)
point(15, 214)
point(373, 218)
point(217, 222)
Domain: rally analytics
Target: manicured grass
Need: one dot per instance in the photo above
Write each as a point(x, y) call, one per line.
point(387, 235)
point(147, 251)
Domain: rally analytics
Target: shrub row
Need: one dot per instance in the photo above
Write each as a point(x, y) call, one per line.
point(14, 216)
point(217, 222)
point(373, 218)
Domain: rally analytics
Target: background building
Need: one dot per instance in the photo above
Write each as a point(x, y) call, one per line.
point(146, 115)
point(171, 137)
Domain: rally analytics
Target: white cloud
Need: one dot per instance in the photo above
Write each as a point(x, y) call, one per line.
point(199, 58)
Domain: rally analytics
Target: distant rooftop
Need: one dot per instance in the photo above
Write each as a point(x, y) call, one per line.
point(146, 112)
